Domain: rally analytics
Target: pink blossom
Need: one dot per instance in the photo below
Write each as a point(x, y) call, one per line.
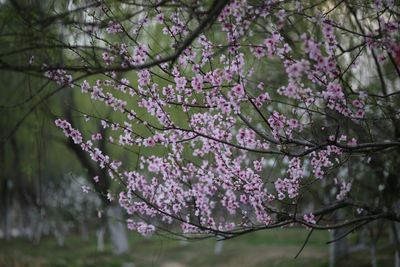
point(309, 218)
point(114, 27)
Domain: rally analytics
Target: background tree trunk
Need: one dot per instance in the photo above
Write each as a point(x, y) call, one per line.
point(100, 239)
point(338, 249)
point(117, 230)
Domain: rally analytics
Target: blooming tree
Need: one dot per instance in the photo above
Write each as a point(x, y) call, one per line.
point(248, 115)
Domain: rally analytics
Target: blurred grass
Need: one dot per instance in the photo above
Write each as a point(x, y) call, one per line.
point(273, 248)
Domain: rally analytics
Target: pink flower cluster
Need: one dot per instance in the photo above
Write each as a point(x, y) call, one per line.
point(75, 135)
point(60, 76)
point(114, 27)
point(209, 123)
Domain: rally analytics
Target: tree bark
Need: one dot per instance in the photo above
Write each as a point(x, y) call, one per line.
point(117, 230)
point(100, 239)
point(338, 249)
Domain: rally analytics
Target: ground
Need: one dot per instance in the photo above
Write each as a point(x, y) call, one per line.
point(275, 248)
